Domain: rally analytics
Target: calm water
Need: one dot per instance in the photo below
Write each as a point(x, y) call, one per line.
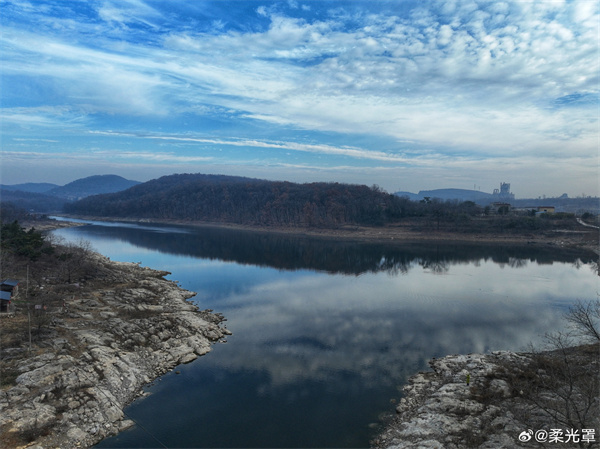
point(324, 333)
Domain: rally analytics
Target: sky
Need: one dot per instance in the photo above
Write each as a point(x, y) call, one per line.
point(407, 95)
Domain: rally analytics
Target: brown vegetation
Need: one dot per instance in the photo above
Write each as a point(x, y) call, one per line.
point(253, 202)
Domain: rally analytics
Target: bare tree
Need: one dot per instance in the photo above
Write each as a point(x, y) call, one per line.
point(73, 259)
point(566, 387)
point(584, 318)
point(44, 303)
point(561, 382)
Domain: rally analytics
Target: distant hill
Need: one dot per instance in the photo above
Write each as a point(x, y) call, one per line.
point(411, 196)
point(562, 203)
point(33, 187)
point(450, 194)
point(457, 194)
point(230, 199)
point(92, 185)
point(31, 201)
point(48, 198)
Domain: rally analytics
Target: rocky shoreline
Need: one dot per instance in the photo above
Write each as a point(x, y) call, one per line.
point(119, 335)
point(488, 402)
point(97, 354)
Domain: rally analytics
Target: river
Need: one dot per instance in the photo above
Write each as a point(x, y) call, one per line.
point(326, 332)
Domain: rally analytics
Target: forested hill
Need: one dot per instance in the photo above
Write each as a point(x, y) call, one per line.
point(92, 185)
point(228, 199)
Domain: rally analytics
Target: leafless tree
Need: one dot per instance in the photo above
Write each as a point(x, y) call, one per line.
point(561, 383)
point(44, 303)
point(584, 318)
point(73, 259)
point(566, 385)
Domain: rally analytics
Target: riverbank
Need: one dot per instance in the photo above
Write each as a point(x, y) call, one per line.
point(171, 240)
point(119, 330)
point(499, 400)
point(584, 238)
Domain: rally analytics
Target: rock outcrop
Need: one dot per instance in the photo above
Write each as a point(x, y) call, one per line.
point(102, 348)
point(495, 401)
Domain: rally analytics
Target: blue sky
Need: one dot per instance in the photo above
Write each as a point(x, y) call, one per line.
point(404, 94)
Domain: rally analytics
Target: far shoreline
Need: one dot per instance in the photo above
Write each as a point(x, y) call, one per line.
point(587, 239)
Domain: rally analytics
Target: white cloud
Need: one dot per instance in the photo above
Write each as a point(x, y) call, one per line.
point(585, 11)
point(278, 145)
point(490, 70)
point(262, 11)
point(128, 11)
point(43, 116)
point(35, 140)
point(469, 77)
point(436, 65)
point(154, 156)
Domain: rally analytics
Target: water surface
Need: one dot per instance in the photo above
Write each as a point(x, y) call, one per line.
point(325, 332)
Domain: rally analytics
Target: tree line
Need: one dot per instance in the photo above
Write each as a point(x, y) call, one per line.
point(247, 201)
point(239, 200)
point(229, 199)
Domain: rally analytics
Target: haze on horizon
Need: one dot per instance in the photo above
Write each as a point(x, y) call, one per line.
point(408, 95)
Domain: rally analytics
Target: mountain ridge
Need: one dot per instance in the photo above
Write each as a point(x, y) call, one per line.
point(31, 187)
point(48, 197)
point(233, 199)
point(92, 185)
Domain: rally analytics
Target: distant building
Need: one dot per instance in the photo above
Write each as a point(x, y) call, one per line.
point(503, 194)
point(532, 210)
point(4, 301)
point(546, 209)
point(10, 285)
point(522, 210)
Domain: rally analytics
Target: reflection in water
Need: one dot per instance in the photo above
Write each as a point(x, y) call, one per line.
point(293, 252)
point(374, 327)
point(324, 332)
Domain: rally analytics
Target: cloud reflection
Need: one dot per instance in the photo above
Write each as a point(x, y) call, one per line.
point(324, 332)
point(381, 328)
point(311, 309)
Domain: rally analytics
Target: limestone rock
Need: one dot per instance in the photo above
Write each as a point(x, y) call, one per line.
point(119, 340)
point(439, 409)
